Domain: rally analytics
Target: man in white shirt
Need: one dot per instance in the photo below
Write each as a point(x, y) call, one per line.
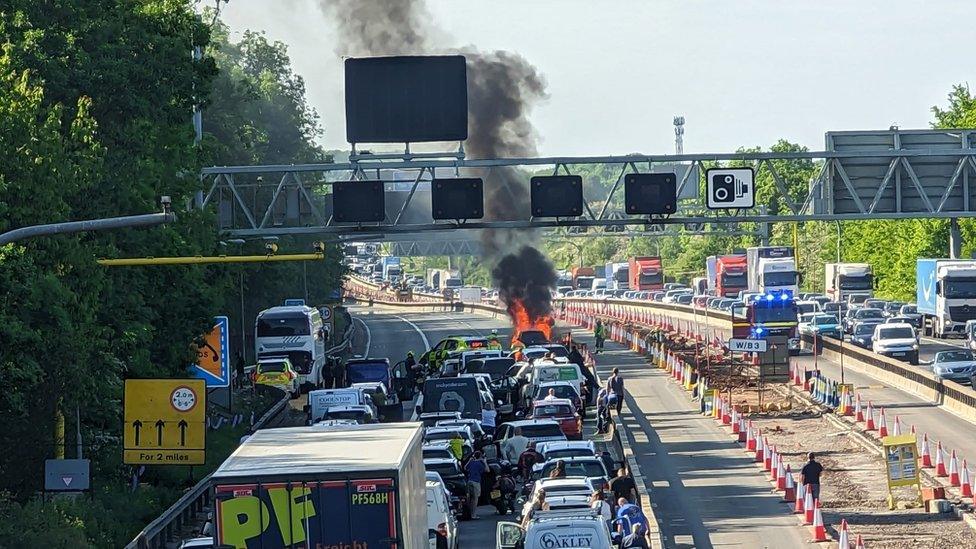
point(551, 395)
point(514, 446)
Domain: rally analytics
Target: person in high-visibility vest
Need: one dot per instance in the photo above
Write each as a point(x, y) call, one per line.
point(493, 342)
point(599, 333)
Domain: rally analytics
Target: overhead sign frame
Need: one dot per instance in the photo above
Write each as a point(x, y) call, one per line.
point(165, 422)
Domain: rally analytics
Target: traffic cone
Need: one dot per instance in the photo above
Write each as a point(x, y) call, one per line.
point(953, 470)
point(789, 487)
point(808, 506)
point(748, 440)
point(806, 383)
point(967, 486)
point(774, 464)
point(726, 417)
point(801, 495)
point(897, 430)
point(760, 449)
point(859, 544)
point(742, 429)
point(767, 455)
point(940, 468)
point(780, 473)
point(858, 413)
point(882, 424)
point(870, 419)
point(752, 442)
point(735, 422)
point(819, 531)
point(926, 453)
point(844, 541)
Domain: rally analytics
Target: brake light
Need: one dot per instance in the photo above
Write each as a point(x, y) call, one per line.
point(442, 529)
point(254, 376)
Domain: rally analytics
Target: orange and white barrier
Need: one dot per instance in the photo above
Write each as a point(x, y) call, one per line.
point(798, 503)
point(940, 468)
point(953, 470)
point(870, 418)
point(882, 424)
point(819, 530)
point(926, 453)
point(966, 485)
point(808, 506)
point(844, 542)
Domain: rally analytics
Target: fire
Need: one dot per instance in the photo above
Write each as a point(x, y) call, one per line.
point(522, 322)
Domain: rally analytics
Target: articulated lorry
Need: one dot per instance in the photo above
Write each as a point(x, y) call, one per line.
point(727, 274)
point(444, 279)
point(646, 273)
point(946, 294)
point(842, 280)
point(772, 269)
point(356, 486)
point(618, 276)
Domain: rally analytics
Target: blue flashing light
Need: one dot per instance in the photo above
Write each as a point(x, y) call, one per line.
point(769, 297)
point(785, 296)
point(759, 331)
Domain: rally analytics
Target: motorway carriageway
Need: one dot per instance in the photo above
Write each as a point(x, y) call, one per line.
point(706, 490)
point(955, 432)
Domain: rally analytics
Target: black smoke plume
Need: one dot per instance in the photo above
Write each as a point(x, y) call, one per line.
point(526, 276)
point(502, 89)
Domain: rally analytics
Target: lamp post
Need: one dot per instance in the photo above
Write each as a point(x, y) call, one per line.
point(240, 242)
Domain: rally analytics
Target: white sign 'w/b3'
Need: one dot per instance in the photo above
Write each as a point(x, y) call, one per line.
point(730, 188)
point(747, 345)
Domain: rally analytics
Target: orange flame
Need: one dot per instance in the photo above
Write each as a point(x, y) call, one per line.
point(522, 322)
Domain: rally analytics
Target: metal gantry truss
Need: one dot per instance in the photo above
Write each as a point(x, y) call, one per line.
point(890, 174)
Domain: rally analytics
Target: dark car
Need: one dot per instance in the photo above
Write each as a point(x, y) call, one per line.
point(684, 299)
point(911, 311)
point(893, 308)
point(835, 308)
point(859, 315)
point(862, 334)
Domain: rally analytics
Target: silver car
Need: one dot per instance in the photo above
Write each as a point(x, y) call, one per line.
point(957, 365)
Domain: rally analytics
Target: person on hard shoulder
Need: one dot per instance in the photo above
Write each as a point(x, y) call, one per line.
point(599, 334)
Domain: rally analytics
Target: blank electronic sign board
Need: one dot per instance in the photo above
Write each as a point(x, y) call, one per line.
point(406, 99)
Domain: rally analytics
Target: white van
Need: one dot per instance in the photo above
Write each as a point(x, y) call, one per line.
point(321, 400)
point(440, 517)
point(551, 371)
point(569, 528)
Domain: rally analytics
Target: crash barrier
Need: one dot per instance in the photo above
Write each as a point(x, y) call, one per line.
point(621, 438)
point(183, 514)
point(955, 397)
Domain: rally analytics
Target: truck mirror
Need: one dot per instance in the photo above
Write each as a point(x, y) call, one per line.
point(938, 287)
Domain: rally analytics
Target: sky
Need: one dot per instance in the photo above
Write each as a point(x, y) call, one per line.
point(741, 72)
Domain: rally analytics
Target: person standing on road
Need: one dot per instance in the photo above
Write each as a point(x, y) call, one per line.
point(598, 503)
point(636, 540)
point(599, 334)
point(623, 486)
point(239, 370)
point(630, 518)
point(615, 385)
point(528, 459)
point(513, 447)
point(456, 444)
point(810, 475)
point(474, 470)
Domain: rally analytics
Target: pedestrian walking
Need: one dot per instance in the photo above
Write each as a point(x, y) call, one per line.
point(810, 475)
point(623, 486)
point(636, 540)
point(239, 374)
point(598, 502)
point(513, 447)
point(474, 470)
point(599, 334)
point(630, 518)
point(615, 386)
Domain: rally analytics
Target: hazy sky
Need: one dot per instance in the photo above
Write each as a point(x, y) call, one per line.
point(741, 72)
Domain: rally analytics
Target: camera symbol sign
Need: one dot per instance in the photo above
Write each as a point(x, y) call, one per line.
point(730, 188)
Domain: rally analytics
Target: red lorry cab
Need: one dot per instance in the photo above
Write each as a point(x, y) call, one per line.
point(731, 275)
point(646, 273)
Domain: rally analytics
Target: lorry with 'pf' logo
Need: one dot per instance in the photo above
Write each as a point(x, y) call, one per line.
point(361, 486)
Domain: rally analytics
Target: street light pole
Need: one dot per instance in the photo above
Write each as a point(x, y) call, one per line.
point(145, 220)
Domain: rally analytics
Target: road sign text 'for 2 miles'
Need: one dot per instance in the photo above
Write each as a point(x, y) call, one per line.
point(165, 422)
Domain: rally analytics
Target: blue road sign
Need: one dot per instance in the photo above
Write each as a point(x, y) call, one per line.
point(213, 358)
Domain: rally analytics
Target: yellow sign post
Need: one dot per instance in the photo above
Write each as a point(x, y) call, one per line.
point(165, 422)
point(901, 464)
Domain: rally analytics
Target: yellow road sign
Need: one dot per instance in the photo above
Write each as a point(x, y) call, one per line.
point(165, 422)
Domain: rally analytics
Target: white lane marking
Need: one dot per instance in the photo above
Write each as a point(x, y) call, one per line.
point(369, 337)
point(416, 329)
point(944, 342)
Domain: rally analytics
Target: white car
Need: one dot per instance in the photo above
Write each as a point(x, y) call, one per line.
point(896, 340)
point(808, 306)
point(672, 295)
point(557, 487)
point(590, 467)
point(437, 450)
point(566, 528)
point(359, 413)
point(473, 424)
point(440, 517)
point(566, 449)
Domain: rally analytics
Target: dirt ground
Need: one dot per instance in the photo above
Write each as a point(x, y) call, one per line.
point(853, 485)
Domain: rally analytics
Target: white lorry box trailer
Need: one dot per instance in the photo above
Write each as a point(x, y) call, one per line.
point(361, 486)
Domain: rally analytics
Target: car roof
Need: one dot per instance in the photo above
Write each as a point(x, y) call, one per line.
point(568, 444)
point(563, 481)
point(440, 461)
point(446, 429)
point(574, 459)
point(349, 408)
point(895, 325)
point(438, 444)
point(557, 384)
point(521, 422)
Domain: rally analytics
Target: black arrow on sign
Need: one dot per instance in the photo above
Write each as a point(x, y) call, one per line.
point(137, 425)
point(159, 432)
point(183, 425)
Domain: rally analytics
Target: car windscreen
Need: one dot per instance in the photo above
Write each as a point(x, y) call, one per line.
point(588, 468)
point(283, 326)
point(896, 333)
point(497, 368)
point(558, 350)
point(344, 414)
point(271, 367)
point(445, 469)
point(559, 488)
point(436, 453)
point(820, 320)
point(552, 410)
point(543, 430)
point(366, 372)
point(561, 391)
point(452, 395)
point(954, 356)
point(864, 329)
point(909, 310)
point(869, 313)
point(443, 435)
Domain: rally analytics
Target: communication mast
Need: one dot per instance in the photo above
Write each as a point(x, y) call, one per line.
point(679, 135)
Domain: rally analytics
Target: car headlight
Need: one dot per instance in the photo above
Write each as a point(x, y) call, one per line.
point(947, 322)
point(915, 346)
